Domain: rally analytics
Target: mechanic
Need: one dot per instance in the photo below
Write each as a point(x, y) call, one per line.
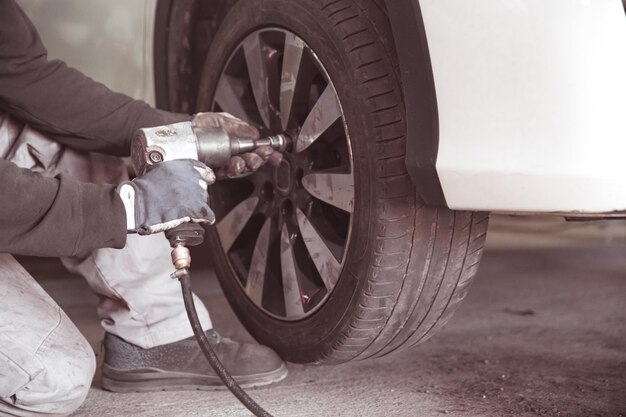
point(59, 198)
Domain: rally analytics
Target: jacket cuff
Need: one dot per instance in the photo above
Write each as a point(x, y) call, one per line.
point(103, 218)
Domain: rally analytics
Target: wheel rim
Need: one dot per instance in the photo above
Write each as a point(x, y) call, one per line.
point(285, 230)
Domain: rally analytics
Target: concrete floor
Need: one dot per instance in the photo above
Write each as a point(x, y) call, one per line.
point(542, 333)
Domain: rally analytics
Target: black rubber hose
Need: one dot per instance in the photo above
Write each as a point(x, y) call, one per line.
point(229, 381)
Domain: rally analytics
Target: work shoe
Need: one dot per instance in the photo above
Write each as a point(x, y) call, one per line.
point(182, 365)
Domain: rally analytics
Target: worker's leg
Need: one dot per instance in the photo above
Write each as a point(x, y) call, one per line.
point(139, 302)
point(46, 365)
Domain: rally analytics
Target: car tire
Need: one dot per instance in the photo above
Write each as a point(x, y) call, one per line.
point(406, 266)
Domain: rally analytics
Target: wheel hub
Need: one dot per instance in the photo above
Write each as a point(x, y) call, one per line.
point(283, 174)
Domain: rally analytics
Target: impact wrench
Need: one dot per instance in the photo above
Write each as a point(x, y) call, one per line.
point(214, 148)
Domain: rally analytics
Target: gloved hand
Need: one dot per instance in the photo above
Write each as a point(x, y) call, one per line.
point(168, 194)
point(247, 163)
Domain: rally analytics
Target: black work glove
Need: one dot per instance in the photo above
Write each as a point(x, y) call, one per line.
point(167, 195)
point(247, 163)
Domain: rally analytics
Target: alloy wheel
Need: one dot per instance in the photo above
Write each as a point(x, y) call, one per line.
point(286, 229)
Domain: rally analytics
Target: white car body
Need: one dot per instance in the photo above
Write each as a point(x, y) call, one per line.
point(532, 103)
point(531, 94)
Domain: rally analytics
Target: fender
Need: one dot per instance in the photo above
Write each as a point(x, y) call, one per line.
point(515, 105)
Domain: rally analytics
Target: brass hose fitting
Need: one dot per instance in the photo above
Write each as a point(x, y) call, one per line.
point(181, 257)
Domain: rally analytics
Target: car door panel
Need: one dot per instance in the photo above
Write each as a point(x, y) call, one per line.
point(110, 41)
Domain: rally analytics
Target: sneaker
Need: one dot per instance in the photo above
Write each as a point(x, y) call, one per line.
point(182, 366)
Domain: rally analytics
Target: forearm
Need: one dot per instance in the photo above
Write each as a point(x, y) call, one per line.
point(62, 102)
point(57, 216)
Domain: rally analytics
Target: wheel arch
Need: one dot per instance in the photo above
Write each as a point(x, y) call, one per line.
point(178, 56)
point(418, 85)
point(177, 59)
point(160, 52)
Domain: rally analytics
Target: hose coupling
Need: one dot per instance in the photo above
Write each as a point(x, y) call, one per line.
point(181, 257)
point(179, 273)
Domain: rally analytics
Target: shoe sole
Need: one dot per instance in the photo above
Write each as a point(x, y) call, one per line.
point(153, 379)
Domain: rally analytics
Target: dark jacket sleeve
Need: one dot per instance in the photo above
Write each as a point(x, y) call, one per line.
point(60, 101)
point(43, 216)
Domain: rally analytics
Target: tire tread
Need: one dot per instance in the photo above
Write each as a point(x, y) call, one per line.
point(380, 322)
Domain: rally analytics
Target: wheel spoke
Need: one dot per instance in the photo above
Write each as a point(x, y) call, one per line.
point(233, 223)
point(325, 262)
point(291, 66)
point(323, 114)
point(258, 266)
point(257, 70)
point(291, 287)
point(229, 97)
point(335, 189)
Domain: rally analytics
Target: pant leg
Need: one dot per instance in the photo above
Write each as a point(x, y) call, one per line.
point(139, 302)
point(46, 365)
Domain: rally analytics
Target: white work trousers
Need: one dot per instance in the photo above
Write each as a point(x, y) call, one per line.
point(46, 365)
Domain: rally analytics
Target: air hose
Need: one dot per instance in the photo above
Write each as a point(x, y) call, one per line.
point(185, 283)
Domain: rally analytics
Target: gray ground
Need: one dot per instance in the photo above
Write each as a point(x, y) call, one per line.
point(542, 333)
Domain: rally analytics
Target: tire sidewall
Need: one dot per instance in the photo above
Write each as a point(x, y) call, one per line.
point(307, 340)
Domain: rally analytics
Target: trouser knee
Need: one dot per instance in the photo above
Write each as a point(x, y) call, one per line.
point(55, 382)
point(68, 390)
